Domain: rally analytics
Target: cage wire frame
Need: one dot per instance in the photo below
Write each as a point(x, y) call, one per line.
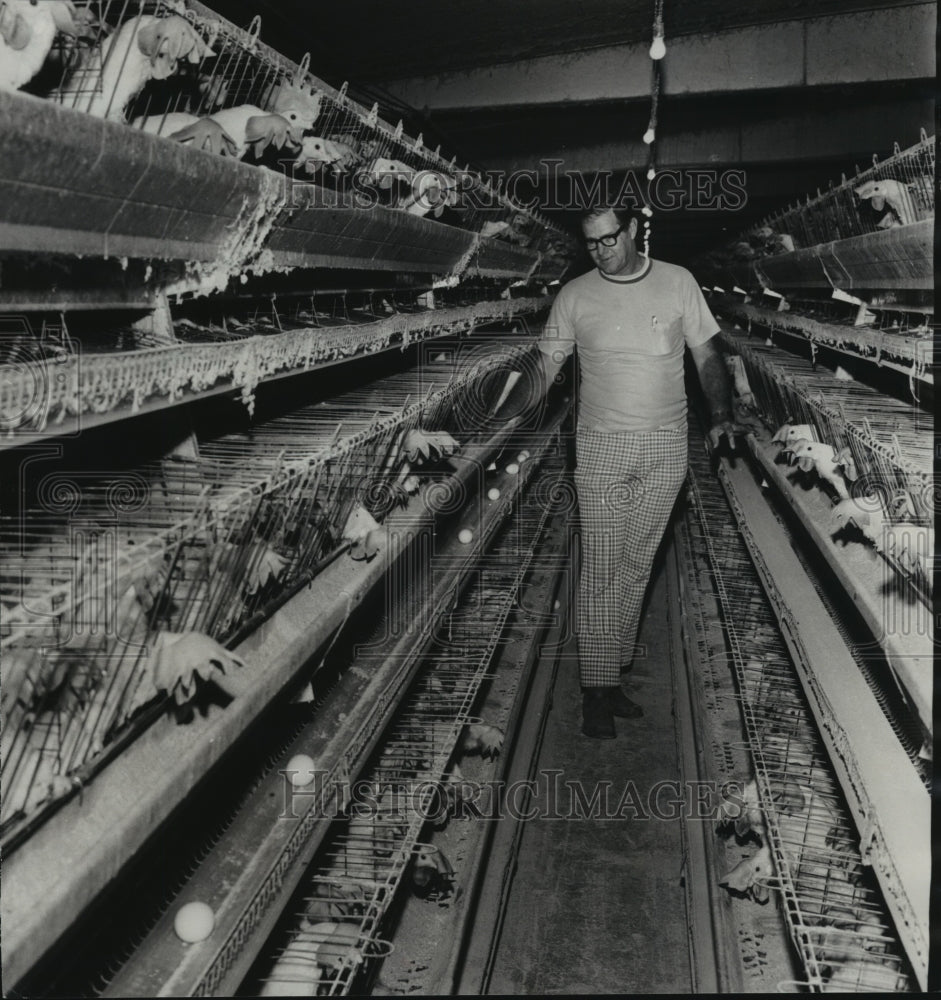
point(891, 453)
point(221, 545)
point(903, 346)
point(370, 854)
point(835, 921)
point(243, 70)
point(834, 214)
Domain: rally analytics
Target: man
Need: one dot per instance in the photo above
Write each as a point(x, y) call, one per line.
point(630, 319)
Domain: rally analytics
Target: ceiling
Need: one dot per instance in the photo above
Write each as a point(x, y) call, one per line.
point(375, 41)
point(790, 139)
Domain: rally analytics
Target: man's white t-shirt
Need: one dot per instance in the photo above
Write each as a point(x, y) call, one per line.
point(631, 333)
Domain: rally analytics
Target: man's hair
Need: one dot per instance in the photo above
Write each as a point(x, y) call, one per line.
point(621, 213)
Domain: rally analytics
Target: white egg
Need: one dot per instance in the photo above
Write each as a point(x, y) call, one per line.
point(300, 770)
point(493, 493)
point(465, 536)
point(194, 922)
point(512, 468)
point(522, 456)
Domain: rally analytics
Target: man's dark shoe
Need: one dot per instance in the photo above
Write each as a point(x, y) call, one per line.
point(623, 707)
point(598, 713)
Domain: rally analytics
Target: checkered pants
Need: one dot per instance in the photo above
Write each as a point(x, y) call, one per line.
point(627, 485)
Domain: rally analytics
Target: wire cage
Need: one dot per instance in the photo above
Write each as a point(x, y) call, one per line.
point(890, 195)
point(411, 786)
point(807, 849)
point(890, 450)
point(179, 70)
point(43, 386)
point(109, 580)
point(894, 192)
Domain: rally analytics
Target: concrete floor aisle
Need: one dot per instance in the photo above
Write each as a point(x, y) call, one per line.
point(597, 904)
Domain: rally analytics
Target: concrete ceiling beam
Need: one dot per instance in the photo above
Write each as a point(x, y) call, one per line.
point(779, 140)
point(891, 44)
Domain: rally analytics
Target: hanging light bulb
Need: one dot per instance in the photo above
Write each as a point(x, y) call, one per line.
point(650, 135)
point(658, 47)
point(651, 173)
point(648, 211)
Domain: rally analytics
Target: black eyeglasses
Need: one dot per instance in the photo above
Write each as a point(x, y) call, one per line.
point(608, 240)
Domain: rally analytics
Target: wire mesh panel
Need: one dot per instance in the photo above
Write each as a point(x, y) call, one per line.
point(805, 845)
point(890, 449)
point(896, 338)
point(884, 211)
point(376, 846)
point(120, 591)
point(182, 71)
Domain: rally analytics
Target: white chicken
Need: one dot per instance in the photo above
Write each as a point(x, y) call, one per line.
point(250, 126)
point(317, 152)
point(142, 49)
point(749, 877)
point(386, 172)
point(363, 532)
point(419, 444)
point(865, 513)
point(350, 152)
point(299, 105)
point(431, 192)
point(204, 133)
point(27, 31)
point(483, 739)
point(181, 657)
point(830, 466)
point(895, 194)
point(788, 433)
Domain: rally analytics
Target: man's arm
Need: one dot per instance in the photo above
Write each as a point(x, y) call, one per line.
point(715, 386)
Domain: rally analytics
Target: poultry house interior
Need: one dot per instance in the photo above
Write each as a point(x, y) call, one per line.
point(291, 532)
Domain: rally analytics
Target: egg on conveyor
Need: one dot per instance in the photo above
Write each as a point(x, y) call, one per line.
point(512, 468)
point(493, 493)
point(522, 456)
point(300, 770)
point(194, 922)
point(465, 536)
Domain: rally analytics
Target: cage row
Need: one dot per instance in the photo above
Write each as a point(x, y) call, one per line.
point(181, 71)
point(124, 588)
